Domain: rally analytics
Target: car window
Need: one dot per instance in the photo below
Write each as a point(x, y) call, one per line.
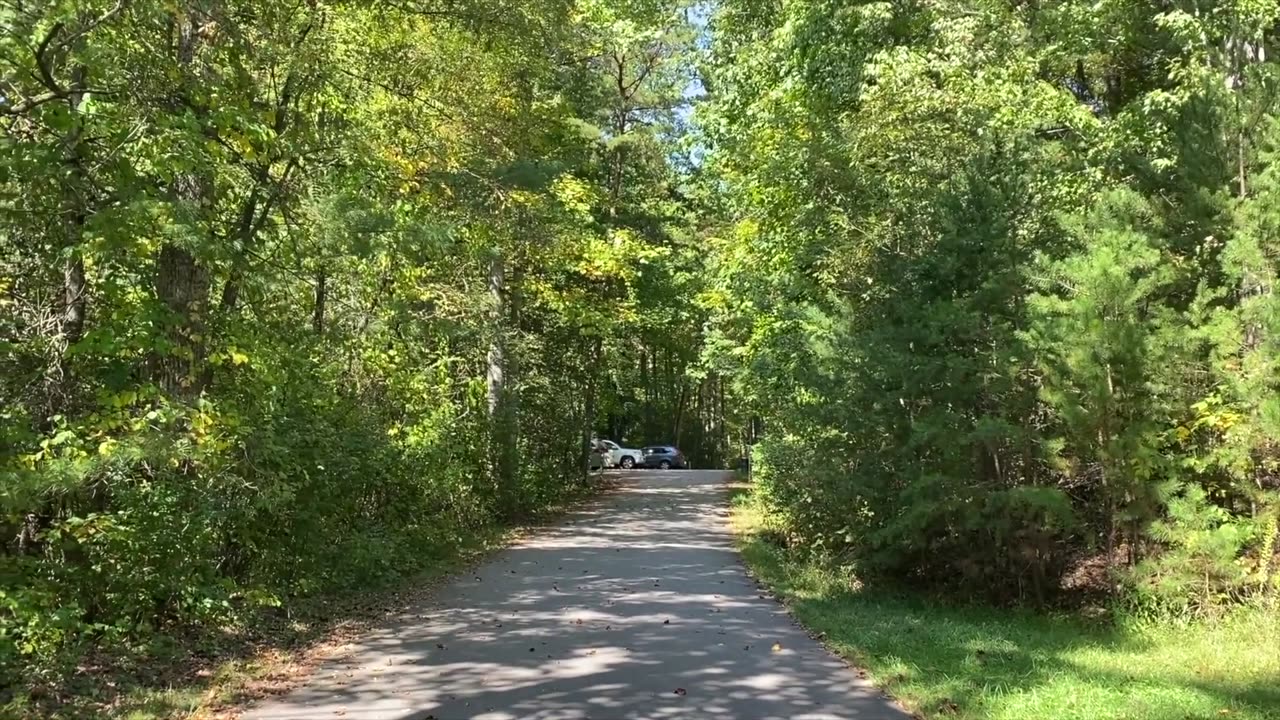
point(611, 445)
point(652, 449)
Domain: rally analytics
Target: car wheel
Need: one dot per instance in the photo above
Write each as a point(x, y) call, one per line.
point(628, 463)
point(665, 465)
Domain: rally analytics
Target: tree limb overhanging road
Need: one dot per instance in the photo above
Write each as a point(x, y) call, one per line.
point(634, 608)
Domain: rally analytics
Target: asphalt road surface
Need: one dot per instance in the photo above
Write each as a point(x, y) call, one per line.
point(635, 608)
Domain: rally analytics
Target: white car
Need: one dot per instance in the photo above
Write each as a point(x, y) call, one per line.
point(625, 458)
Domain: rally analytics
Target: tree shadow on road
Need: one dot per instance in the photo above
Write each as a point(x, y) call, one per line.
point(638, 608)
point(207, 671)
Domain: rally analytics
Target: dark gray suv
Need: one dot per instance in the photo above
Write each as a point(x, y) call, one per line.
point(664, 457)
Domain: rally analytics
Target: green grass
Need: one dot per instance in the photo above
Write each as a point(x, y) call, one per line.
point(992, 664)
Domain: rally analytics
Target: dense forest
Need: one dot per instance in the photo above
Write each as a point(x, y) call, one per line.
point(296, 293)
point(1000, 280)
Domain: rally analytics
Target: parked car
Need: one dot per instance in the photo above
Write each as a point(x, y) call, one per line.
point(625, 458)
point(663, 457)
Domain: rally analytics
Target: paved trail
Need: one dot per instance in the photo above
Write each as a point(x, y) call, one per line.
point(635, 609)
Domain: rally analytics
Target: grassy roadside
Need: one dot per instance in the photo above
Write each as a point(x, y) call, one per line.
point(285, 653)
point(208, 677)
point(991, 664)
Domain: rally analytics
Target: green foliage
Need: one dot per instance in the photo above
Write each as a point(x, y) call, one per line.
point(941, 660)
point(293, 297)
point(979, 266)
point(1202, 568)
point(296, 297)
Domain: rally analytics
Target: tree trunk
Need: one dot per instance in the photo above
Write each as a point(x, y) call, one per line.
point(497, 347)
point(182, 282)
point(69, 325)
point(589, 404)
point(322, 296)
point(722, 447)
point(182, 285)
point(680, 406)
point(73, 299)
point(617, 168)
point(511, 389)
point(502, 446)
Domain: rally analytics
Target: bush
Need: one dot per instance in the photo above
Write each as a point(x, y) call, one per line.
point(1202, 566)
